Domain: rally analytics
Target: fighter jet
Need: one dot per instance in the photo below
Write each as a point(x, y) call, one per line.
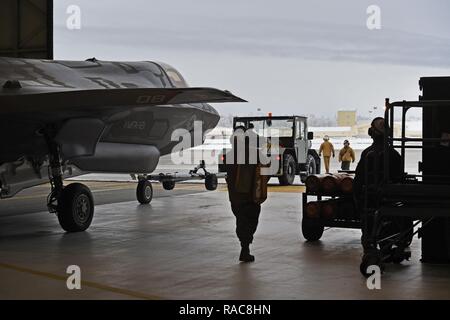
point(65, 118)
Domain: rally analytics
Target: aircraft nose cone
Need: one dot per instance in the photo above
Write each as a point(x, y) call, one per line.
point(211, 120)
point(211, 117)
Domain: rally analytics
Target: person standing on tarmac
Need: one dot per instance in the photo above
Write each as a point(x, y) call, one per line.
point(327, 149)
point(346, 155)
point(247, 189)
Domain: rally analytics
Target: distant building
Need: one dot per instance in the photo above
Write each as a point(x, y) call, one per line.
point(346, 118)
point(320, 132)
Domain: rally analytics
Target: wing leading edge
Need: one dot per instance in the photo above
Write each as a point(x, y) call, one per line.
point(15, 101)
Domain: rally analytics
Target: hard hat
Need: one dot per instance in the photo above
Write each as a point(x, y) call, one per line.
point(326, 138)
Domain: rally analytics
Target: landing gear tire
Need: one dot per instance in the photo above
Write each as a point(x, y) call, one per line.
point(288, 176)
point(312, 231)
point(310, 168)
point(211, 182)
point(168, 185)
point(75, 208)
point(144, 192)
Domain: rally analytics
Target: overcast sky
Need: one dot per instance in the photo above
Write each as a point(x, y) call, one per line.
point(285, 56)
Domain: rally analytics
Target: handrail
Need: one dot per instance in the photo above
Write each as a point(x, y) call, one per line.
point(389, 139)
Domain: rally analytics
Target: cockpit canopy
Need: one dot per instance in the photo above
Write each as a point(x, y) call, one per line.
point(174, 76)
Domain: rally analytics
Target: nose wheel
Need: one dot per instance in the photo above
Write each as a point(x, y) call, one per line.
point(73, 204)
point(75, 208)
point(211, 182)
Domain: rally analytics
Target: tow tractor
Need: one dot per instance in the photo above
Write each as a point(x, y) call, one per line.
point(296, 156)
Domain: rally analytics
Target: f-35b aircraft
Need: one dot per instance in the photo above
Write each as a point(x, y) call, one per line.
point(63, 118)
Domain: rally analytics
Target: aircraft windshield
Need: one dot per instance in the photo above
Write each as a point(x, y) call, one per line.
point(175, 77)
point(269, 127)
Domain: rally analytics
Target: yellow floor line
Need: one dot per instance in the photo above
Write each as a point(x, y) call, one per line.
point(286, 189)
point(127, 186)
point(292, 189)
point(130, 293)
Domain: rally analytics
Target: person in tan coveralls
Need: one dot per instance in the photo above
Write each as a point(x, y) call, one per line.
point(346, 155)
point(327, 149)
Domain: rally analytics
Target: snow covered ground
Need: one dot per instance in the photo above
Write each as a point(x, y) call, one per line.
point(219, 139)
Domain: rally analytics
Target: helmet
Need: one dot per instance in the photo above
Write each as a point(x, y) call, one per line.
point(326, 138)
point(346, 142)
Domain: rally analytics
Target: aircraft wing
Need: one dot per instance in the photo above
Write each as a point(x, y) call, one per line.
point(15, 101)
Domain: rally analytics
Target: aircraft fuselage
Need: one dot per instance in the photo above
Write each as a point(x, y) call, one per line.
point(118, 137)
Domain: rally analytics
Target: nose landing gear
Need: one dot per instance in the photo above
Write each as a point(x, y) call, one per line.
point(75, 208)
point(73, 204)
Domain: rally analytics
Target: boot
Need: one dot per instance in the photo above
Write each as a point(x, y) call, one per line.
point(245, 255)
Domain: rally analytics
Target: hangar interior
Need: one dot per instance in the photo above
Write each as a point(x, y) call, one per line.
point(183, 245)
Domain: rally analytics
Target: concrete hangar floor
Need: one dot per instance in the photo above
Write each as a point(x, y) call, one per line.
point(183, 246)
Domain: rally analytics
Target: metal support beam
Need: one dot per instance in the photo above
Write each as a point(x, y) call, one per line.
point(14, 42)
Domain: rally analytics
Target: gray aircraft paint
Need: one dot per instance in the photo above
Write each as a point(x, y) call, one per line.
point(128, 110)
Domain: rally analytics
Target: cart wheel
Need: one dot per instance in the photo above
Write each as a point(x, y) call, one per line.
point(144, 192)
point(400, 254)
point(211, 182)
point(370, 259)
point(168, 185)
point(312, 231)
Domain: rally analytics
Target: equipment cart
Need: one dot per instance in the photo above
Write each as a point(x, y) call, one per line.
point(144, 191)
point(417, 197)
point(332, 205)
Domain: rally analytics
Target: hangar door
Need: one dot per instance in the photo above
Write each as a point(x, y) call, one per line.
point(26, 28)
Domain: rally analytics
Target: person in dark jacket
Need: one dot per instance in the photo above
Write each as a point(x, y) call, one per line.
point(241, 190)
point(370, 172)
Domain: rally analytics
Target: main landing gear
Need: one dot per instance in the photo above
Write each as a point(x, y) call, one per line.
point(73, 204)
point(144, 190)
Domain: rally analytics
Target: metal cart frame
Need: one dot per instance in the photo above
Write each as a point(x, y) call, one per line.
point(412, 197)
point(313, 229)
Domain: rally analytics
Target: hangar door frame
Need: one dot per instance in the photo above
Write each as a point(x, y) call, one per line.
point(26, 28)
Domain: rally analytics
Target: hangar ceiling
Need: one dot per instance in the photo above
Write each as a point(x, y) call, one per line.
point(26, 28)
